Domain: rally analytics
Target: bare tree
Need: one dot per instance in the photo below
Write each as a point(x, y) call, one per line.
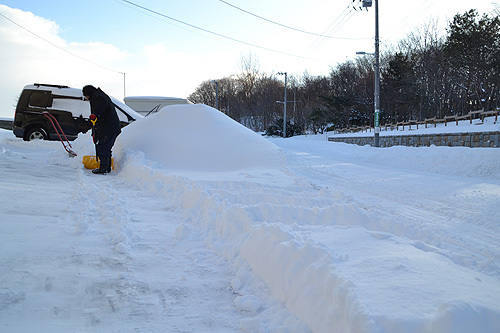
point(204, 94)
point(249, 74)
point(426, 75)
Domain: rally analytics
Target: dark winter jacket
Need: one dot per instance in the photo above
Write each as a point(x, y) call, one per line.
point(107, 119)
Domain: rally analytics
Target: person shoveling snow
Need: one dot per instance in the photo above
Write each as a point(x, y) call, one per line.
point(106, 126)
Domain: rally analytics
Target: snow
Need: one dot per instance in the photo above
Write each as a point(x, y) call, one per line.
point(198, 138)
point(205, 226)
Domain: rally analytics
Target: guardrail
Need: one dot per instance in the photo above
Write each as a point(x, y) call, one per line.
point(480, 114)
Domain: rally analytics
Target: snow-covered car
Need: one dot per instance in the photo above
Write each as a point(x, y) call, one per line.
point(146, 105)
point(66, 104)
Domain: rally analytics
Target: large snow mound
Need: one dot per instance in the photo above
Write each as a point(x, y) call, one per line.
point(198, 138)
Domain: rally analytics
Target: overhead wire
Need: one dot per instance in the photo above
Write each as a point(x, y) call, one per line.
point(146, 11)
point(336, 24)
point(209, 31)
point(413, 15)
point(157, 17)
point(178, 26)
point(59, 47)
point(283, 25)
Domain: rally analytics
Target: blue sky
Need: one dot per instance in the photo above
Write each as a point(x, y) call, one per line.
point(96, 41)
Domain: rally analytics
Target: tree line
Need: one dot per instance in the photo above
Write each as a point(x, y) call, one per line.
point(425, 75)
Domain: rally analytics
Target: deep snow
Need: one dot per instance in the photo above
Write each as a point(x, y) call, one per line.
point(207, 227)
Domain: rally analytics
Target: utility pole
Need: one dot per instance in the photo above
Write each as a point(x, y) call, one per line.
point(376, 119)
point(376, 97)
point(284, 105)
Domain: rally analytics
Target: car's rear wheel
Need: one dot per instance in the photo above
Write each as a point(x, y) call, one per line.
point(36, 134)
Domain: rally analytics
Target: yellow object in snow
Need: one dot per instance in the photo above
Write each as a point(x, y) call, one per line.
point(91, 162)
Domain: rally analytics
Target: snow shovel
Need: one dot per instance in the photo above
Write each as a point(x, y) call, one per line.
point(91, 161)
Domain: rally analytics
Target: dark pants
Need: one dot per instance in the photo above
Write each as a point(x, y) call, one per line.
point(104, 145)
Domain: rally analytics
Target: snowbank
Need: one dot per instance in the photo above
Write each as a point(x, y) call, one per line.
point(198, 138)
point(348, 239)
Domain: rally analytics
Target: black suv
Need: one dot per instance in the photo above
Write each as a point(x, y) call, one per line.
point(66, 104)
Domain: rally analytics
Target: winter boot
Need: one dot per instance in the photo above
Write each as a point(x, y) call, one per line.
point(103, 166)
point(108, 169)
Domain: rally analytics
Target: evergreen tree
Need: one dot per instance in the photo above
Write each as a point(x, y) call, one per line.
point(276, 129)
point(399, 91)
point(472, 49)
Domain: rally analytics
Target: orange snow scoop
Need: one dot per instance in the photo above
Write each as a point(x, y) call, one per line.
point(91, 161)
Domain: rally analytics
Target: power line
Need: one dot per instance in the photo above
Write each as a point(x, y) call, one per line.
point(410, 17)
point(336, 24)
point(156, 17)
point(162, 19)
point(57, 46)
point(210, 32)
point(284, 26)
point(342, 21)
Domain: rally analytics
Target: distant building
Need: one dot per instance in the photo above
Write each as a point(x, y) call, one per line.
point(146, 105)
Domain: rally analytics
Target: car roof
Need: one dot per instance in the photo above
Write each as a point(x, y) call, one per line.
point(56, 89)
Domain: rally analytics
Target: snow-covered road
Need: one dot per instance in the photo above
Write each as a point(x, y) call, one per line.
point(435, 228)
point(457, 213)
point(340, 238)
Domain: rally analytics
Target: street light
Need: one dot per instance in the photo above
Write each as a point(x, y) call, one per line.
point(376, 97)
point(123, 83)
point(216, 94)
point(284, 105)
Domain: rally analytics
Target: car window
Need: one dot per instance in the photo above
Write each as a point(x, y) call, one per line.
point(41, 99)
point(77, 107)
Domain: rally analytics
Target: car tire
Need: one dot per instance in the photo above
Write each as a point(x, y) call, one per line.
point(36, 133)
